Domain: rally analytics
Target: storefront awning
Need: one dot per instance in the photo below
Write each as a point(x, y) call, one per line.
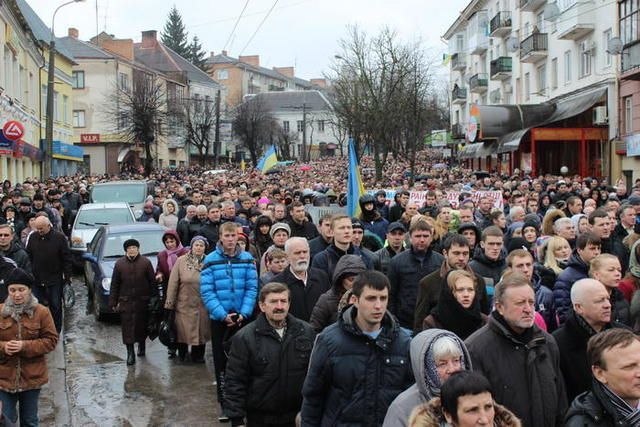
point(479, 149)
point(122, 153)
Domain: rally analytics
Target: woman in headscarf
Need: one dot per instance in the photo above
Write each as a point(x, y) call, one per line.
point(183, 296)
point(580, 223)
point(27, 334)
point(169, 216)
point(260, 235)
point(435, 354)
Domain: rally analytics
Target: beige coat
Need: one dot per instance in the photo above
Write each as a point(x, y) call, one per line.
point(183, 296)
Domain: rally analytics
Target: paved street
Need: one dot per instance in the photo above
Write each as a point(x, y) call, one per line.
point(103, 391)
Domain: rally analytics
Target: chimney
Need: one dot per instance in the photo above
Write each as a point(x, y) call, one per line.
point(73, 33)
point(212, 54)
point(224, 53)
point(253, 60)
point(319, 82)
point(121, 47)
point(285, 71)
point(149, 38)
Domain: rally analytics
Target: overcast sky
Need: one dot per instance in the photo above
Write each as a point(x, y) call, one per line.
point(303, 33)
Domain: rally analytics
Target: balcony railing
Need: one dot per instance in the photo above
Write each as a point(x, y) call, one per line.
point(458, 61)
point(534, 47)
point(500, 24)
point(500, 68)
point(457, 131)
point(459, 95)
point(478, 83)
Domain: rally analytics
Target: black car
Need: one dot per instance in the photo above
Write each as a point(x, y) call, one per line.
point(105, 249)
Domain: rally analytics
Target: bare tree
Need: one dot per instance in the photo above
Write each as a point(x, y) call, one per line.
point(285, 139)
point(199, 121)
point(138, 113)
point(253, 123)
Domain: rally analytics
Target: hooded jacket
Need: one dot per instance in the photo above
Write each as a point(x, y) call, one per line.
point(545, 304)
point(430, 415)
point(374, 222)
point(325, 311)
point(576, 269)
point(425, 387)
point(166, 219)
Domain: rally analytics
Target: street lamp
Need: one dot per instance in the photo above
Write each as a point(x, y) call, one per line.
point(47, 168)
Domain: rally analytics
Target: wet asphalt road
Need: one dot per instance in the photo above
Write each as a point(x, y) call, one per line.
point(104, 391)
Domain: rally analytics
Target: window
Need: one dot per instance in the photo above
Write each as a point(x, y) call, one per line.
point(628, 115)
point(78, 119)
point(542, 79)
point(65, 109)
point(285, 126)
point(77, 79)
point(606, 36)
point(56, 110)
point(321, 126)
point(43, 97)
point(518, 91)
point(223, 74)
point(567, 67)
point(540, 22)
point(527, 87)
point(554, 73)
point(585, 58)
point(123, 82)
point(300, 126)
point(629, 21)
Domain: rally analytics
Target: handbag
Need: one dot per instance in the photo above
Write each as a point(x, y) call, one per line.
point(155, 317)
point(167, 333)
point(68, 296)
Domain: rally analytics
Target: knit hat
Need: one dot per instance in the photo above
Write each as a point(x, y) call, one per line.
point(356, 223)
point(131, 242)
point(200, 239)
point(517, 243)
point(18, 276)
point(531, 223)
point(634, 260)
point(279, 226)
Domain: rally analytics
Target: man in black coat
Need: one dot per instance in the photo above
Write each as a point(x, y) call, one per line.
point(407, 268)
point(210, 229)
point(601, 227)
point(52, 266)
point(490, 262)
point(591, 314)
point(320, 243)
point(299, 224)
point(306, 284)
point(10, 248)
point(268, 363)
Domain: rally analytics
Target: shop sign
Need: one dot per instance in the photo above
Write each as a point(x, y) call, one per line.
point(89, 137)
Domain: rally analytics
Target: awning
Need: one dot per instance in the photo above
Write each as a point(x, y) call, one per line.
point(122, 153)
point(510, 123)
point(479, 149)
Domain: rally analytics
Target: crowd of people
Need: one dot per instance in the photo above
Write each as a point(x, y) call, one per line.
point(518, 311)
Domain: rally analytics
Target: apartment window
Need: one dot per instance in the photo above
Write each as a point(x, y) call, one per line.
point(567, 67)
point(123, 82)
point(527, 87)
point(554, 73)
point(77, 79)
point(65, 109)
point(606, 36)
point(285, 126)
point(321, 126)
point(629, 31)
point(78, 119)
point(542, 79)
point(300, 125)
point(540, 22)
point(628, 115)
point(585, 58)
point(223, 74)
point(56, 110)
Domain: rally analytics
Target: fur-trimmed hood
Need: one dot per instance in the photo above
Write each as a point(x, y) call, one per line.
point(430, 415)
point(9, 309)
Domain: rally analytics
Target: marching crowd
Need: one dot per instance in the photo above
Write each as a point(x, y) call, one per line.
point(410, 314)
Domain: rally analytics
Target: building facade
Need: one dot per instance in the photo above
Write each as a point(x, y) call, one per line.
point(533, 87)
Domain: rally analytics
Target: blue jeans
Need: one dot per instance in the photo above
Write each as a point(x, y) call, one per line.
point(28, 401)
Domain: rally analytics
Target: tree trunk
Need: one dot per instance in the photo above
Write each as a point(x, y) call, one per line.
point(148, 161)
point(378, 161)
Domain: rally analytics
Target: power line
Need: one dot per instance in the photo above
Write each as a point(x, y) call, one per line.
point(259, 26)
point(257, 13)
point(236, 25)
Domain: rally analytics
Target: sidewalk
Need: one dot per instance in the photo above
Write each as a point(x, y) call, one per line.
point(54, 404)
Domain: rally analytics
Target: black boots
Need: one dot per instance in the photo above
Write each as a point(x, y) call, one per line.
point(141, 349)
point(182, 351)
point(197, 353)
point(131, 356)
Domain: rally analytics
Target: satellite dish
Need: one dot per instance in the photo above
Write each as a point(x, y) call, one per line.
point(513, 44)
point(551, 12)
point(614, 46)
point(495, 97)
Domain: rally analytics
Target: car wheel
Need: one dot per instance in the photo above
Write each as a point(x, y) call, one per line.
point(97, 313)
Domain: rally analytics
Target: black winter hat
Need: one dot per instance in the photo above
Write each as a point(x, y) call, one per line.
point(130, 242)
point(18, 276)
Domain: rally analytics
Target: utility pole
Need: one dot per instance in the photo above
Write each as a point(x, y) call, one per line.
point(47, 167)
point(216, 139)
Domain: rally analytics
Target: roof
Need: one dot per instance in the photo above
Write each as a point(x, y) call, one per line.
point(313, 100)
point(85, 50)
point(39, 29)
point(163, 58)
point(473, 7)
point(225, 59)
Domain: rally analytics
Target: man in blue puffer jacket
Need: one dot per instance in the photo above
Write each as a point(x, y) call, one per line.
point(588, 247)
point(228, 286)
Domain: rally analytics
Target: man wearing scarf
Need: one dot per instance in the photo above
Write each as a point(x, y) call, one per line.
point(614, 357)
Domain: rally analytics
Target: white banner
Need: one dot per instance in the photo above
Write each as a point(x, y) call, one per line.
point(419, 197)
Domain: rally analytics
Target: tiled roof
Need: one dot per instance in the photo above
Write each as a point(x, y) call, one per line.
point(81, 49)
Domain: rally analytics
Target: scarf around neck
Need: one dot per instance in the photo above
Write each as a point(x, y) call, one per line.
point(172, 255)
point(14, 310)
point(625, 412)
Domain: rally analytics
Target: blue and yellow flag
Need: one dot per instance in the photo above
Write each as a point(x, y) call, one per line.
point(355, 187)
point(268, 161)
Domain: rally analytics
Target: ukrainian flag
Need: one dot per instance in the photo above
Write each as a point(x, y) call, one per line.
point(355, 187)
point(268, 161)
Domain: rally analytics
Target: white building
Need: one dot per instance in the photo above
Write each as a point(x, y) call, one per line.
point(550, 59)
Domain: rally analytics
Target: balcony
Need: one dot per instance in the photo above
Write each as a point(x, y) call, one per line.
point(478, 83)
point(458, 62)
point(630, 61)
point(534, 48)
point(577, 21)
point(531, 5)
point(459, 95)
point(477, 33)
point(457, 131)
point(500, 25)
point(500, 68)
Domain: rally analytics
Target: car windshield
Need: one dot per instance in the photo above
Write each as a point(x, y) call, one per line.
point(150, 243)
point(128, 193)
point(94, 218)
